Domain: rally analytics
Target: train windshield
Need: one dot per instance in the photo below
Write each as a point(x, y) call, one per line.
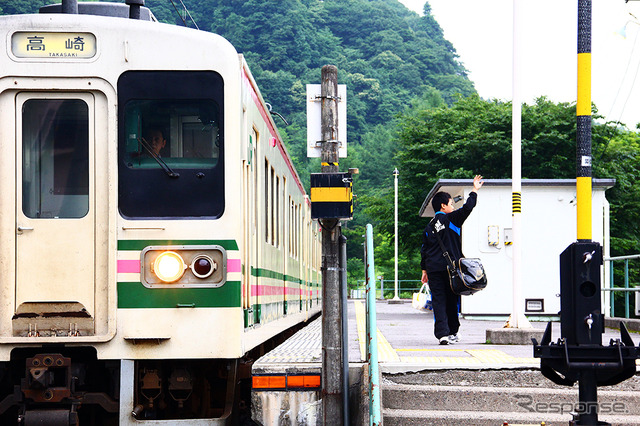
point(170, 145)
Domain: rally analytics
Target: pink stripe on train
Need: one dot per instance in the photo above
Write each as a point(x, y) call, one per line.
point(129, 266)
point(234, 265)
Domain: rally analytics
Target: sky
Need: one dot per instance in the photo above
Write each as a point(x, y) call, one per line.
point(482, 33)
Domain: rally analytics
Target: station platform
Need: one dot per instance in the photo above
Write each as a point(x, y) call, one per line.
point(422, 382)
point(406, 343)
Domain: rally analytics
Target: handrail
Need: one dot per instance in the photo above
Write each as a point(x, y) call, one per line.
point(380, 289)
point(626, 289)
point(401, 291)
point(631, 256)
point(372, 335)
point(631, 290)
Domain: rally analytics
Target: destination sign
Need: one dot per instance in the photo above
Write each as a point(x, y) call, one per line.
point(53, 45)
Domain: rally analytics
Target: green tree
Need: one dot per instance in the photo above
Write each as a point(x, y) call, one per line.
point(619, 157)
point(473, 136)
point(18, 7)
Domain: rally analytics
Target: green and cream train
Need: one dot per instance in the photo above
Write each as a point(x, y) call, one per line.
point(153, 229)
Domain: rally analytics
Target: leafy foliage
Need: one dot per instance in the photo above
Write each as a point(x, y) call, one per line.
point(18, 7)
point(473, 136)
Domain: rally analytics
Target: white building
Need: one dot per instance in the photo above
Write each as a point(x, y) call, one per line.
point(548, 227)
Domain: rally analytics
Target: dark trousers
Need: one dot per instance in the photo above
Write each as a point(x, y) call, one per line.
point(445, 305)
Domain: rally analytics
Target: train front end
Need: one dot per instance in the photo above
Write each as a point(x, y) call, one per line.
point(120, 268)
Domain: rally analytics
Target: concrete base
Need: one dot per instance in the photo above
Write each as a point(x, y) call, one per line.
point(631, 324)
point(513, 336)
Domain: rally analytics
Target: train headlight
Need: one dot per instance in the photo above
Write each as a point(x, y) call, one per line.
point(184, 266)
point(169, 266)
point(203, 266)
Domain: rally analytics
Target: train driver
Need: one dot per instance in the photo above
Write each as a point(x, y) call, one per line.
point(156, 140)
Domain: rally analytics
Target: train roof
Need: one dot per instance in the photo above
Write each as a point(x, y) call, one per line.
point(117, 10)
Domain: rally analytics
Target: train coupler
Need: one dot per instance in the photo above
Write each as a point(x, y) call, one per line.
point(47, 378)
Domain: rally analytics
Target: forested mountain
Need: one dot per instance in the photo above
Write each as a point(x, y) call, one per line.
point(385, 54)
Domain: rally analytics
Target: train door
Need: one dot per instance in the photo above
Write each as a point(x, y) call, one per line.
point(282, 209)
point(307, 263)
point(249, 230)
point(56, 210)
point(255, 301)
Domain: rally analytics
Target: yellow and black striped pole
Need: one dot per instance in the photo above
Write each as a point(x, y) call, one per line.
point(583, 113)
point(581, 316)
point(516, 203)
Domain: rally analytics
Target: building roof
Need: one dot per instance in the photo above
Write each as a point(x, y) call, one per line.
point(456, 187)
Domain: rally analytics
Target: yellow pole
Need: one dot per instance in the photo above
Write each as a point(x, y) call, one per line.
point(583, 113)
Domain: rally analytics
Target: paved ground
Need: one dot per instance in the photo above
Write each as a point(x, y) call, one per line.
point(471, 369)
point(406, 343)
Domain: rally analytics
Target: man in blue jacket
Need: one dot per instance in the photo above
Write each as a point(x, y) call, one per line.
point(447, 223)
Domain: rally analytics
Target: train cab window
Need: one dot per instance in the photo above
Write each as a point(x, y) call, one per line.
point(55, 158)
point(170, 145)
point(177, 133)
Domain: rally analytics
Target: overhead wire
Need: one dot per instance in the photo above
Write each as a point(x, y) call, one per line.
point(622, 80)
point(631, 56)
point(186, 12)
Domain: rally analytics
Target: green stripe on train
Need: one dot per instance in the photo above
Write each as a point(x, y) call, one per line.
point(141, 244)
point(135, 295)
point(267, 273)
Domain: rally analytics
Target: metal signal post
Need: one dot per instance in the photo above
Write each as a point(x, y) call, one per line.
point(583, 113)
point(579, 354)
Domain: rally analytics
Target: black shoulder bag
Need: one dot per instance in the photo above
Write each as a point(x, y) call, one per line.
point(466, 275)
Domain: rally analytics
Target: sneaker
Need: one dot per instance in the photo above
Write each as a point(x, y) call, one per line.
point(445, 340)
point(454, 338)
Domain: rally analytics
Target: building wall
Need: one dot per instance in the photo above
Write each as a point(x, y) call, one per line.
point(548, 227)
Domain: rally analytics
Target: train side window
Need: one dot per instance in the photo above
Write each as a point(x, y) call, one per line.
point(266, 200)
point(254, 171)
point(55, 158)
point(272, 205)
point(282, 213)
point(277, 215)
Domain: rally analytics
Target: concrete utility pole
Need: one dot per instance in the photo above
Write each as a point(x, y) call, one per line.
point(517, 319)
point(395, 232)
point(332, 372)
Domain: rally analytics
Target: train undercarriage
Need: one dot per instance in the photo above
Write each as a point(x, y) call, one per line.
point(57, 385)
